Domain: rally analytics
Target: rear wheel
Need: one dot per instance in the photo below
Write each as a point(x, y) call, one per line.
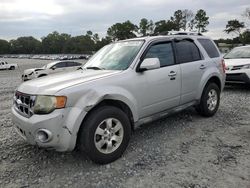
point(105, 134)
point(12, 68)
point(210, 100)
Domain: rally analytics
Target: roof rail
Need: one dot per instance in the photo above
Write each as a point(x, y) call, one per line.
point(184, 33)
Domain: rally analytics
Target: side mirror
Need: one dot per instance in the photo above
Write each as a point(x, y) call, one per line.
point(149, 64)
point(52, 68)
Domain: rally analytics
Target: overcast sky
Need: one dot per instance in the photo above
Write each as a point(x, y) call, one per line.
point(39, 17)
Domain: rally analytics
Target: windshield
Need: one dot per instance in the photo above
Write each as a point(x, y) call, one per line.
point(115, 56)
point(238, 53)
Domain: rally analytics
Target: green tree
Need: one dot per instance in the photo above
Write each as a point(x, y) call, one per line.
point(234, 26)
point(146, 27)
point(201, 21)
point(121, 31)
point(4, 47)
point(55, 42)
point(162, 27)
point(25, 45)
point(177, 19)
point(245, 37)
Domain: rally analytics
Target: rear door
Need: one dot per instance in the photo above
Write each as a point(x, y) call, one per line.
point(192, 66)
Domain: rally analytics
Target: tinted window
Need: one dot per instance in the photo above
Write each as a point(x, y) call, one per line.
point(210, 48)
point(73, 64)
point(163, 51)
point(187, 51)
point(60, 65)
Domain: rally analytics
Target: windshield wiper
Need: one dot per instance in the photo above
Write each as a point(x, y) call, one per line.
point(95, 68)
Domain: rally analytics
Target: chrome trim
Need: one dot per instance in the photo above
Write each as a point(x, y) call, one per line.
point(23, 103)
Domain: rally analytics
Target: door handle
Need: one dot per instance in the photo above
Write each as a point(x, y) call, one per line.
point(203, 66)
point(172, 74)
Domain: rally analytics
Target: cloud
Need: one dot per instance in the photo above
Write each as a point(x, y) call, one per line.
point(40, 17)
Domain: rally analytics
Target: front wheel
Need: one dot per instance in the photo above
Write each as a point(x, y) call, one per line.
point(210, 100)
point(105, 134)
point(12, 68)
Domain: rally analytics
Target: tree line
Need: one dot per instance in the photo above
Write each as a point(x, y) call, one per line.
point(55, 42)
point(239, 28)
point(181, 20)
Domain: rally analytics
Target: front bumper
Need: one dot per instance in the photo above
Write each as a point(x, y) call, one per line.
point(237, 78)
point(63, 139)
point(26, 77)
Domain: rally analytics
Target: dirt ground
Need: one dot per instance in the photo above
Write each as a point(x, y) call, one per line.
point(184, 150)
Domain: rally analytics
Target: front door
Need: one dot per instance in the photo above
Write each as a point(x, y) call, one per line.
point(163, 84)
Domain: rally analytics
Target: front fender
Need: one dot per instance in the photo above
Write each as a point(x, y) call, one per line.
point(94, 96)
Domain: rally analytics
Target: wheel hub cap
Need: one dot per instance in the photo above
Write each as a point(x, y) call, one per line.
point(108, 135)
point(212, 100)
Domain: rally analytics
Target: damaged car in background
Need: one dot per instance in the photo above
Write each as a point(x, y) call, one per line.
point(124, 85)
point(51, 68)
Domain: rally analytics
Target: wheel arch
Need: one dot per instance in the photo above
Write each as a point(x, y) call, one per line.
point(214, 78)
point(41, 75)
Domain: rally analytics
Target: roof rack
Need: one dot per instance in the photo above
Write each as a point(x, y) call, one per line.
point(184, 33)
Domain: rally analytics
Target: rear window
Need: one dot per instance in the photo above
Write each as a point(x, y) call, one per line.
point(187, 51)
point(210, 48)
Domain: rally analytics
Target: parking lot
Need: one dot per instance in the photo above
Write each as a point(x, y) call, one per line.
point(184, 150)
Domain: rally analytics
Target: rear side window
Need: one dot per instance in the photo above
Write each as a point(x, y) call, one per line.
point(210, 48)
point(61, 65)
point(73, 64)
point(163, 51)
point(187, 51)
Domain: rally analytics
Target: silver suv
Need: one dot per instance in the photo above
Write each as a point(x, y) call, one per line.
point(124, 85)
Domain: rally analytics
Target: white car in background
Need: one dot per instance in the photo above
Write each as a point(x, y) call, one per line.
point(51, 68)
point(237, 63)
point(5, 66)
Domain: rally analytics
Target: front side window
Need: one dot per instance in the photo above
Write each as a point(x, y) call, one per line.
point(238, 53)
point(187, 51)
point(115, 56)
point(162, 51)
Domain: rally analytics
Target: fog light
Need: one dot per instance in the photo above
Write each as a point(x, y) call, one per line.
point(43, 135)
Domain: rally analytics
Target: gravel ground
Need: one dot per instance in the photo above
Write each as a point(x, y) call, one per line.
point(184, 150)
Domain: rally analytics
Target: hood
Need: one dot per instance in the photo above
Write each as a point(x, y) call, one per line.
point(237, 62)
point(28, 71)
point(51, 84)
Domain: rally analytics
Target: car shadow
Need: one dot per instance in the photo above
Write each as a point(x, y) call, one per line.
point(237, 87)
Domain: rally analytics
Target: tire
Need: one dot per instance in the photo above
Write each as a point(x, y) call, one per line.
point(12, 68)
point(209, 105)
point(94, 141)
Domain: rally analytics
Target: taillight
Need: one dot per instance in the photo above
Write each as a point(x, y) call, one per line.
point(223, 65)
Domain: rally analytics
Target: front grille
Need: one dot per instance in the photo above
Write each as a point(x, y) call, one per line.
point(23, 103)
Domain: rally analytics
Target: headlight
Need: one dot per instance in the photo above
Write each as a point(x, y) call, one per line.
point(47, 104)
point(246, 67)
